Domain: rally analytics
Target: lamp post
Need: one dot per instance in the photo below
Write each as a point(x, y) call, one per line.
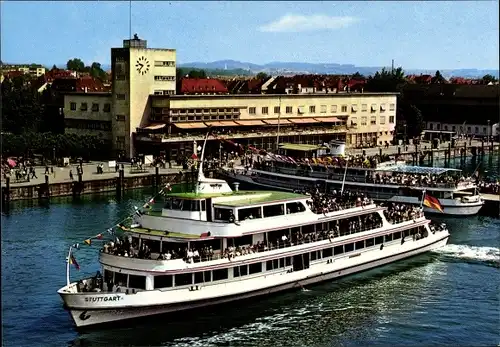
point(489, 133)
point(279, 121)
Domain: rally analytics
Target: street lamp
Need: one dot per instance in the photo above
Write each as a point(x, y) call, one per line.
point(489, 132)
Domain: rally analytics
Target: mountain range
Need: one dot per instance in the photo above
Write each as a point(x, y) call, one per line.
point(280, 68)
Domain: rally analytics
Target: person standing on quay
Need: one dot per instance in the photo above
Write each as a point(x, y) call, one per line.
point(71, 174)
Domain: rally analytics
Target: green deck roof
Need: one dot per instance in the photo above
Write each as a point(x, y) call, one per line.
point(260, 197)
point(162, 233)
point(300, 147)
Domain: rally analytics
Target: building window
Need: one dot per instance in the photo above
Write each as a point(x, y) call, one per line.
point(264, 110)
point(445, 127)
point(343, 108)
point(251, 110)
point(72, 106)
point(431, 126)
point(289, 109)
point(364, 107)
point(158, 92)
point(363, 120)
point(95, 107)
point(120, 118)
point(382, 119)
point(120, 142)
point(354, 108)
point(382, 107)
point(391, 107)
point(453, 128)
point(164, 78)
point(374, 108)
point(333, 109)
point(354, 120)
point(120, 96)
point(484, 130)
point(83, 107)
point(373, 120)
point(323, 109)
point(276, 109)
point(301, 109)
point(165, 63)
point(312, 109)
point(107, 108)
point(391, 119)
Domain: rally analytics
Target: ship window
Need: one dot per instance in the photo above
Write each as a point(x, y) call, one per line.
point(327, 252)
point(120, 279)
point(306, 229)
point(220, 274)
point(269, 265)
point(407, 233)
point(223, 214)
point(388, 238)
point(276, 264)
point(108, 276)
point(379, 240)
point(203, 205)
point(249, 213)
point(288, 261)
point(282, 262)
point(313, 256)
point(369, 242)
point(274, 210)
point(360, 245)
point(338, 250)
point(163, 281)
point(154, 246)
point(397, 235)
point(198, 277)
point(294, 207)
point(256, 268)
point(240, 271)
point(183, 280)
point(349, 247)
point(138, 282)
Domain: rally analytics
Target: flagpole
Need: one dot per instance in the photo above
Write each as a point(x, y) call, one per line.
point(423, 197)
point(68, 265)
point(345, 174)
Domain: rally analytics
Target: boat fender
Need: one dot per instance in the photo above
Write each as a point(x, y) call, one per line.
point(382, 246)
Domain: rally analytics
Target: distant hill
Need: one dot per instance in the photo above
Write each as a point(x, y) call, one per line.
point(327, 68)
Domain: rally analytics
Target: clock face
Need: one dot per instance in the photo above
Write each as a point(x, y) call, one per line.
point(142, 65)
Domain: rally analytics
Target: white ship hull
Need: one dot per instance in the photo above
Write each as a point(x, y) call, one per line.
point(452, 207)
point(90, 309)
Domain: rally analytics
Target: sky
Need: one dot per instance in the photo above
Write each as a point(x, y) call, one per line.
point(417, 35)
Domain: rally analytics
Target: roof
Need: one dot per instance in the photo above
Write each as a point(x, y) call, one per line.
point(284, 95)
point(202, 85)
point(299, 147)
point(261, 197)
point(420, 170)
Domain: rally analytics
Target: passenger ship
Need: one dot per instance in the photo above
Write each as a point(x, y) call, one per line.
point(260, 231)
point(457, 198)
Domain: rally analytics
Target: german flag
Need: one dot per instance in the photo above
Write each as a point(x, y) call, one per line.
point(73, 261)
point(433, 202)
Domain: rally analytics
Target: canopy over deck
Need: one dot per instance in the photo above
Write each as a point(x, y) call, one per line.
point(419, 170)
point(300, 147)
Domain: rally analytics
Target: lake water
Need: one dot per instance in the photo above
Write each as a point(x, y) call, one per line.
point(450, 296)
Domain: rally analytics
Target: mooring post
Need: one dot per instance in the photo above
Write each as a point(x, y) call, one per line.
point(122, 183)
point(119, 184)
point(380, 151)
point(7, 191)
point(47, 187)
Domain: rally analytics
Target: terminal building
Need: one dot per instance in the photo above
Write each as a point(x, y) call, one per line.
point(144, 112)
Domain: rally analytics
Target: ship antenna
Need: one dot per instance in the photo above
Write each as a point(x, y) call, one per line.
point(201, 176)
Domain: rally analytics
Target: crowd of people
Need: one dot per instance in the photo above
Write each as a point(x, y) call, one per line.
point(426, 180)
point(398, 213)
point(489, 187)
point(335, 200)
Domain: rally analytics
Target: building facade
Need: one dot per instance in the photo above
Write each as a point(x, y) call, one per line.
point(143, 114)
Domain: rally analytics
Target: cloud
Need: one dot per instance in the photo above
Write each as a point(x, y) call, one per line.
point(297, 23)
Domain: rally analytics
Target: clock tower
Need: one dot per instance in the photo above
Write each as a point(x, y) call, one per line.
point(138, 72)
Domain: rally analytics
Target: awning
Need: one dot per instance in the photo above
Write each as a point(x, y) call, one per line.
point(276, 121)
point(302, 120)
point(300, 147)
point(155, 126)
point(328, 119)
point(197, 125)
point(222, 123)
point(249, 122)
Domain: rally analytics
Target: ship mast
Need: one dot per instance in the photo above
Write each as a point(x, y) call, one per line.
point(201, 176)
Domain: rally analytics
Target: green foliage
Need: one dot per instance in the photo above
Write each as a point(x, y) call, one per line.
point(75, 64)
point(357, 75)
point(438, 78)
point(489, 78)
point(21, 105)
point(386, 81)
point(262, 76)
point(413, 119)
point(203, 73)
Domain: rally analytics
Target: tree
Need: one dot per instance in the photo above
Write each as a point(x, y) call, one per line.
point(75, 64)
point(488, 78)
point(438, 78)
point(412, 117)
point(197, 74)
point(54, 67)
point(386, 81)
point(96, 71)
point(358, 76)
point(262, 76)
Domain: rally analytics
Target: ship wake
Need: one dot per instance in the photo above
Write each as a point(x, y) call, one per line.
point(472, 254)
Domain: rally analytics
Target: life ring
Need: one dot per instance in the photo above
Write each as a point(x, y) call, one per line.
point(231, 219)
